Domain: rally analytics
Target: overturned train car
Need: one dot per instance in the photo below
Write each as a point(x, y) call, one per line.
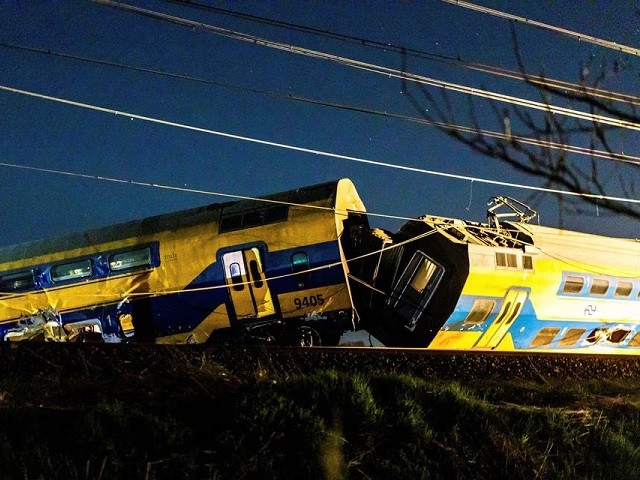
point(270, 271)
point(449, 284)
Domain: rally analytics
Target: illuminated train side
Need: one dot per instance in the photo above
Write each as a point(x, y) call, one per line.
point(459, 285)
point(250, 271)
point(302, 267)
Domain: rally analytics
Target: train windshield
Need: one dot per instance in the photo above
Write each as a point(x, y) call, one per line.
point(415, 288)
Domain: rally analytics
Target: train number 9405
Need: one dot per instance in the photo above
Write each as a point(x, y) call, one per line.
point(310, 301)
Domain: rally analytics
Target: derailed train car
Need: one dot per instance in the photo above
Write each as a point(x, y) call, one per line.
point(302, 267)
point(269, 271)
point(443, 283)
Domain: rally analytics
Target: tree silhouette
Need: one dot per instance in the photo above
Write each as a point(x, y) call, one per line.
point(538, 142)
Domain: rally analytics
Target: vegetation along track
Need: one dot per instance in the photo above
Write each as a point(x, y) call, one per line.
point(78, 411)
point(245, 363)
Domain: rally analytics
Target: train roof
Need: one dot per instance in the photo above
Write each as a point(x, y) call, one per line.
point(339, 195)
point(606, 255)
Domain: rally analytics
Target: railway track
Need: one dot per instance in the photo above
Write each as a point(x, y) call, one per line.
point(252, 363)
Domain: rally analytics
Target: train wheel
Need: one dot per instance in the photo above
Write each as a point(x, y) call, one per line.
point(308, 337)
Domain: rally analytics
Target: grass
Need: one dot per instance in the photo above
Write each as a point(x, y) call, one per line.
point(198, 422)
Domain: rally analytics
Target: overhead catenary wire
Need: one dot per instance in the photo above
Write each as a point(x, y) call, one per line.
point(591, 152)
point(199, 191)
point(195, 190)
point(422, 54)
point(545, 26)
point(436, 228)
point(381, 70)
point(249, 282)
point(288, 147)
point(284, 146)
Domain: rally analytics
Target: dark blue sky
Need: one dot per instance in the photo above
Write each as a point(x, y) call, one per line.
point(42, 133)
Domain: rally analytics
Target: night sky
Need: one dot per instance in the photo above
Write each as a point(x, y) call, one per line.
point(45, 134)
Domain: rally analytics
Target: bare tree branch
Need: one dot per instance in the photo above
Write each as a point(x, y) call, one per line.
point(555, 166)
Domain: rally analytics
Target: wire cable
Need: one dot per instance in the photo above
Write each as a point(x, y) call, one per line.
point(381, 70)
point(5, 295)
point(545, 26)
point(199, 191)
point(436, 228)
point(615, 156)
point(422, 54)
point(279, 145)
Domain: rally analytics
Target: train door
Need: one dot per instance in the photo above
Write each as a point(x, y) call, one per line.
point(248, 288)
point(511, 307)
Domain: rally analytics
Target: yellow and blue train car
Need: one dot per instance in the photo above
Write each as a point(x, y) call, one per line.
point(450, 284)
point(269, 270)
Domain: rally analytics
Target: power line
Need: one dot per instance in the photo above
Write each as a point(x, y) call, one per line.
point(435, 229)
point(193, 190)
point(284, 146)
point(389, 72)
point(97, 61)
point(545, 26)
point(250, 282)
point(614, 156)
point(416, 53)
point(153, 293)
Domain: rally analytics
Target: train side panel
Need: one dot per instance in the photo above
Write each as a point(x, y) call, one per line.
point(519, 287)
point(558, 291)
point(243, 267)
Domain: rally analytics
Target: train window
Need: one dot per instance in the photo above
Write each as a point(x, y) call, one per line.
point(422, 276)
point(618, 336)
point(299, 262)
point(527, 262)
point(270, 215)
point(415, 287)
point(514, 313)
point(230, 223)
point(17, 281)
point(133, 258)
point(480, 311)
point(255, 273)
point(599, 286)
point(623, 288)
point(236, 277)
point(571, 337)
point(506, 260)
point(68, 271)
point(545, 337)
point(596, 335)
point(253, 218)
point(635, 341)
point(573, 284)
